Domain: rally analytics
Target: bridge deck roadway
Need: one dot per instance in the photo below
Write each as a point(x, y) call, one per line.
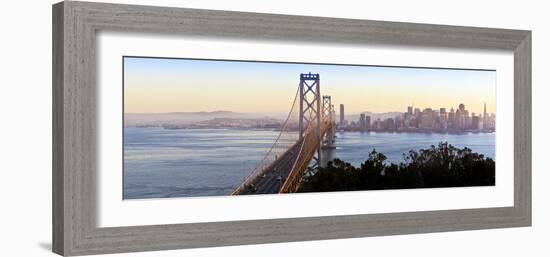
point(272, 178)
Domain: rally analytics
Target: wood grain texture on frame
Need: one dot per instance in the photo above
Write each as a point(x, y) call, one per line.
point(75, 25)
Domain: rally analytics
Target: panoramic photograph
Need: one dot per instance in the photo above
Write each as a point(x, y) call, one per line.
point(199, 127)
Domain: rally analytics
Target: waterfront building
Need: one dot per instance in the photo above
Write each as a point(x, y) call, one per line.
point(341, 114)
point(367, 122)
point(428, 118)
point(476, 122)
point(451, 120)
point(443, 113)
point(390, 124)
point(362, 122)
point(459, 118)
point(417, 112)
point(485, 125)
point(467, 122)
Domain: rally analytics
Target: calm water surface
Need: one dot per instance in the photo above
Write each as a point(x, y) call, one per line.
point(354, 147)
point(206, 162)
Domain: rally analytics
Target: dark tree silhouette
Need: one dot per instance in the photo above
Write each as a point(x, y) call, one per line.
point(438, 166)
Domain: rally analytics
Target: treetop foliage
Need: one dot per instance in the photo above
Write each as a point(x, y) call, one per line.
point(443, 165)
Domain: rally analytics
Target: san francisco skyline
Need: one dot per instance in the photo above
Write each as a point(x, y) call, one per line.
point(160, 85)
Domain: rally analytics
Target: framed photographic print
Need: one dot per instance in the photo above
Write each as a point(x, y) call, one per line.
point(181, 128)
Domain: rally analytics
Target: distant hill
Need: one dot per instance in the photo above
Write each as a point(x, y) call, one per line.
point(179, 118)
point(176, 119)
point(205, 113)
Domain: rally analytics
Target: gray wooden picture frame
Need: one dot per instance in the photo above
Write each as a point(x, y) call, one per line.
point(75, 25)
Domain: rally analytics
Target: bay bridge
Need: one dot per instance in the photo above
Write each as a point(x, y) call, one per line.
point(308, 128)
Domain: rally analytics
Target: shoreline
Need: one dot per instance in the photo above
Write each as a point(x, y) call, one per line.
point(337, 132)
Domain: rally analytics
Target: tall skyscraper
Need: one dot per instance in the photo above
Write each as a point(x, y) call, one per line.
point(475, 122)
point(459, 117)
point(367, 122)
point(428, 118)
point(484, 125)
point(390, 124)
point(417, 112)
point(410, 110)
point(341, 114)
point(443, 113)
point(362, 122)
point(452, 119)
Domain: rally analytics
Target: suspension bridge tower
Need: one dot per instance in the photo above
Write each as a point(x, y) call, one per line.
point(310, 108)
point(328, 118)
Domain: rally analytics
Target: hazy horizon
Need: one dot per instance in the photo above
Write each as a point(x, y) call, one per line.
point(160, 85)
point(353, 113)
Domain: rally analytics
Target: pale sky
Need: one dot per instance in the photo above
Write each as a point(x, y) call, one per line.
point(155, 85)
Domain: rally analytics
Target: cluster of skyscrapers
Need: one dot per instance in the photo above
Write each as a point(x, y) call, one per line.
point(427, 120)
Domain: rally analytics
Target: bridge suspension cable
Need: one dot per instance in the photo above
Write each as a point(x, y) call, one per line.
point(283, 167)
point(286, 138)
